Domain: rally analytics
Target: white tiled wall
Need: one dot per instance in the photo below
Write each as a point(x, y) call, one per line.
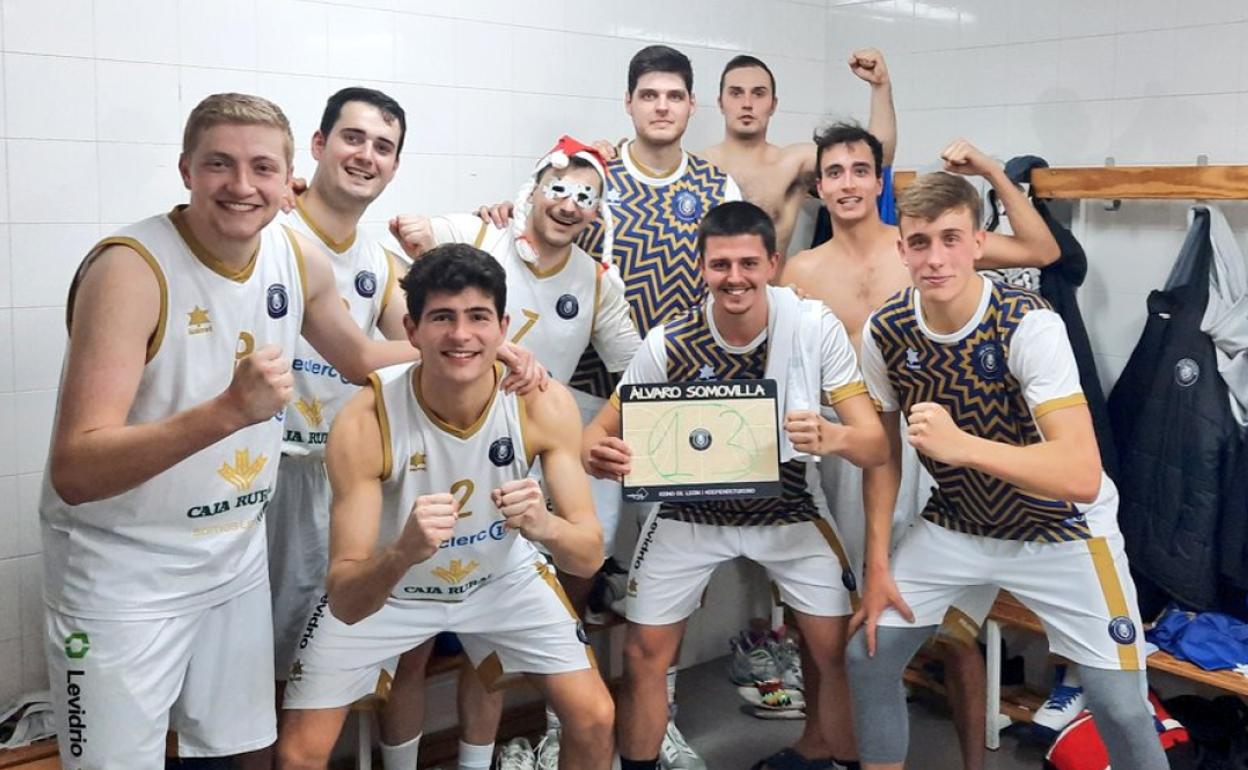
point(93, 94)
point(1074, 81)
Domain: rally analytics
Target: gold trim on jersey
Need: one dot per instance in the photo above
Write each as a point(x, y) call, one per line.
point(158, 334)
point(299, 263)
point(548, 577)
point(383, 422)
point(392, 277)
point(614, 400)
point(1115, 599)
point(551, 271)
point(838, 550)
point(1054, 404)
point(522, 413)
point(652, 173)
point(336, 246)
point(445, 426)
point(210, 260)
point(480, 239)
point(593, 321)
point(835, 396)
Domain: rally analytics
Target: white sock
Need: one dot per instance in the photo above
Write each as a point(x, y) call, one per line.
point(552, 720)
point(474, 757)
point(402, 756)
point(671, 691)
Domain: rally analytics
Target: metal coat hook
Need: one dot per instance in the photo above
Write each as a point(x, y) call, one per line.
point(1116, 203)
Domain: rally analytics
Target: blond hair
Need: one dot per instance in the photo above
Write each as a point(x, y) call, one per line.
point(235, 109)
point(933, 194)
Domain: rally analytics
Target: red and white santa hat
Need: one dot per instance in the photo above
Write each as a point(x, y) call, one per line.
point(565, 148)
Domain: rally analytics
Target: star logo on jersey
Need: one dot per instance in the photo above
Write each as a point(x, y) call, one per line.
point(242, 474)
point(912, 359)
point(296, 671)
point(707, 372)
point(632, 587)
point(456, 571)
point(417, 462)
point(311, 411)
point(199, 322)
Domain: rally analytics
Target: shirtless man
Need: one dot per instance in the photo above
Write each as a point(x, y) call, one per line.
point(854, 273)
point(777, 178)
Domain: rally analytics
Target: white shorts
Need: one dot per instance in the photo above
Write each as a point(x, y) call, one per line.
point(297, 524)
point(119, 686)
point(607, 493)
point(518, 623)
point(674, 561)
point(1081, 590)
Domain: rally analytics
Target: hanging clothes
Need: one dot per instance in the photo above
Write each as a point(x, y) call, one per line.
point(1059, 283)
point(1178, 440)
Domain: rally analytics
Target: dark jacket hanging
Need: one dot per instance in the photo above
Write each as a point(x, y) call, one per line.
point(1058, 284)
point(1177, 438)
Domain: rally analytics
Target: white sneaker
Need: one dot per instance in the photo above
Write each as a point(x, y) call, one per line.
point(676, 753)
point(517, 755)
point(548, 750)
point(1063, 704)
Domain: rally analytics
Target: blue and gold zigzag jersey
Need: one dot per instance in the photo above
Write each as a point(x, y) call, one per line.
point(971, 379)
point(693, 354)
point(656, 232)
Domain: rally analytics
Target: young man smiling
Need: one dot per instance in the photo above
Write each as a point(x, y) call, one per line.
point(744, 329)
point(165, 450)
point(434, 522)
point(995, 410)
point(563, 301)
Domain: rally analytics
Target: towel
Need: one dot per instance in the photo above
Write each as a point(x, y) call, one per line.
point(794, 357)
point(1226, 315)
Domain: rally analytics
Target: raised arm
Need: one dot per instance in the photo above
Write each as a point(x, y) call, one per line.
point(395, 307)
point(1032, 244)
point(360, 575)
point(868, 64)
point(572, 533)
point(115, 311)
point(332, 331)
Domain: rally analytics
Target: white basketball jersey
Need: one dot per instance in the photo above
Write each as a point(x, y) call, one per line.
point(424, 455)
point(364, 276)
point(552, 312)
point(192, 536)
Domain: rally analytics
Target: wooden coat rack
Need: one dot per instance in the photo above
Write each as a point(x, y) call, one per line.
point(1199, 182)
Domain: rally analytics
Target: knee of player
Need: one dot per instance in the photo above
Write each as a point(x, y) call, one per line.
point(294, 753)
point(594, 718)
point(642, 657)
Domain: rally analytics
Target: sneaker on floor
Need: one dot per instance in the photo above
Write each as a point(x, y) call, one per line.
point(676, 753)
point(548, 750)
point(752, 661)
point(772, 695)
point(517, 755)
point(1063, 704)
point(788, 656)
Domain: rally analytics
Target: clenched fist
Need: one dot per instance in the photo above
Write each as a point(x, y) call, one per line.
point(414, 234)
point(932, 431)
point(524, 508)
point(868, 64)
point(262, 385)
point(962, 157)
point(430, 523)
point(809, 432)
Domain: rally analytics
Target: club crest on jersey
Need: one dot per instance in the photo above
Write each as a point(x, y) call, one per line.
point(501, 452)
point(1122, 630)
point(687, 206)
point(988, 361)
point(366, 283)
point(567, 307)
point(277, 301)
point(1186, 372)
